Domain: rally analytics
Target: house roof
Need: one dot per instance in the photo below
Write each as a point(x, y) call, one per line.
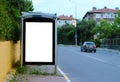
point(103, 10)
point(62, 17)
point(38, 14)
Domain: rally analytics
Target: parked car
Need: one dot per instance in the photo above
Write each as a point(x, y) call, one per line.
point(88, 46)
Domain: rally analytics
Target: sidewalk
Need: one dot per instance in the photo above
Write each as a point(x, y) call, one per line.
point(39, 78)
point(110, 50)
point(40, 74)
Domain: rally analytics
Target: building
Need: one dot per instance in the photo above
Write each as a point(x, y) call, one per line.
point(104, 13)
point(62, 20)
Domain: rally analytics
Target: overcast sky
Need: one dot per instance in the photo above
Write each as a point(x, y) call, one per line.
point(69, 7)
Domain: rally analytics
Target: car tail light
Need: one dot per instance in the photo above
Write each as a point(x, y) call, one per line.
point(94, 46)
point(87, 46)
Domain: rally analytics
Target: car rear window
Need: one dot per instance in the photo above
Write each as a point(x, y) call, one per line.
point(90, 43)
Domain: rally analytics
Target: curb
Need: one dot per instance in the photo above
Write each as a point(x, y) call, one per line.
point(64, 75)
point(110, 50)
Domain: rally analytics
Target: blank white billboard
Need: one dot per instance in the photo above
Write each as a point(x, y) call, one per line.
point(38, 42)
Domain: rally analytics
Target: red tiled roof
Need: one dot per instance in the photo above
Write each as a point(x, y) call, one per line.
point(65, 17)
point(104, 10)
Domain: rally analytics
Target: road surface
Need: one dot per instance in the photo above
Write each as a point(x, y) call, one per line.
point(102, 66)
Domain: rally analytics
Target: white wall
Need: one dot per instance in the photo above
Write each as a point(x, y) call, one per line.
point(62, 22)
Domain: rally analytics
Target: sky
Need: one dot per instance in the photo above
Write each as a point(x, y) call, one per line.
point(76, 8)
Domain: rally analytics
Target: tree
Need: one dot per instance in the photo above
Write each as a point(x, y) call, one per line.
point(84, 30)
point(104, 29)
point(107, 30)
point(65, 34)
point(15, 8)
point(116, 26)
point(10, 17)
point(28, 6)
point(5, 22)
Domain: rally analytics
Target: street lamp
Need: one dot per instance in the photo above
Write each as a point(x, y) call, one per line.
point(74, 24)
point(74, 21)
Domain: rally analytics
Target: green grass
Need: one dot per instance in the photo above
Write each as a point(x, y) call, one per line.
point(13, 80)
point(19, 69)
point(37, 72)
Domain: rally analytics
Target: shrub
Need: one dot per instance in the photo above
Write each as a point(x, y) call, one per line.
point(97, 42)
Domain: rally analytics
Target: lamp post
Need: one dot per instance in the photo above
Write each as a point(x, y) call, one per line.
point(74, 21)
point(74, 24)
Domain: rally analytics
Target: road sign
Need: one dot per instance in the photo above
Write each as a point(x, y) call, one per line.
point(38, 38)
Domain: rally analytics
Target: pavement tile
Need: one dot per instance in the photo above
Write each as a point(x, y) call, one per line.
point(39, 78)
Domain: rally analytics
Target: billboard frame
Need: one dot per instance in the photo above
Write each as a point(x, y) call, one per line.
point(38, 17)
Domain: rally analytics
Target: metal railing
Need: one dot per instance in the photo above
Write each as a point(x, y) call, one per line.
point(111, 43)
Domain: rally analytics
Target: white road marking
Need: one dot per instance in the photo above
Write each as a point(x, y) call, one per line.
point(64, 75)
point(89, 56)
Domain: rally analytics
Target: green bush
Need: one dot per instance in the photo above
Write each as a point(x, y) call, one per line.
point(65, 34)
point(36, 72)
point(97, 42)
point(20, 69)
point(10, 18)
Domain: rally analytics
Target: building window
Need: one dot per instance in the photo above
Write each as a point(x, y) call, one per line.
point(59, 21)
point(98, 16)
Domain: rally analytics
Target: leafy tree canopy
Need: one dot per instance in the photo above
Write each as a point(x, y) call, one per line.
point(116, 26)
point(84, 28)
point(65, 34)
point(104, 29)
point(108, 30)
point(10, 17)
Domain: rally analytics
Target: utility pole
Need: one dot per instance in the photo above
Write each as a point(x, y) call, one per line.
point(74, 22)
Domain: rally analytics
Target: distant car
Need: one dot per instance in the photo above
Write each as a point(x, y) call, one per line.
point(88, 46)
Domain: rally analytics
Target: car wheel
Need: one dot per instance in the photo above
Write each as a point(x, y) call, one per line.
point(94, 50)
point(81, 50)
point(85, 50)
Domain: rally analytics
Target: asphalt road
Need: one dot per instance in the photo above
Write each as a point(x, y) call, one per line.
point(102, 66)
